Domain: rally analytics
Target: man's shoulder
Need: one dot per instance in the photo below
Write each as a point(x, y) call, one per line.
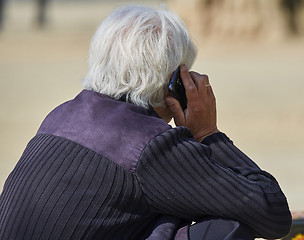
point(117, 130)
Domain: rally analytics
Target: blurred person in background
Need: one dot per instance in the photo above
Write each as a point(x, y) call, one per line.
point(41, 12)
point(1, 13)
point(292, 10)
point(107, 165)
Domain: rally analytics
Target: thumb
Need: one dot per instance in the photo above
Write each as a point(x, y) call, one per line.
point(176, 110)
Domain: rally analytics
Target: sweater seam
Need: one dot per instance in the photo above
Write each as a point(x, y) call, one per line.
point(108, 159)
point(129, 171)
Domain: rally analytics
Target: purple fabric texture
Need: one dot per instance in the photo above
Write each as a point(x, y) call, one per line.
point(182, 233)
point(94, 121)
point(165, 227)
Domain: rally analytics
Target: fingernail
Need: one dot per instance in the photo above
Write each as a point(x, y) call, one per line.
point(169, 101)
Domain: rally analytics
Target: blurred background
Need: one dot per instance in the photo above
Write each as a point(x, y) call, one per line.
point(252, 50)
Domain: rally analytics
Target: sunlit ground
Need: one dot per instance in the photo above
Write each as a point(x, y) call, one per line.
point(259, 87)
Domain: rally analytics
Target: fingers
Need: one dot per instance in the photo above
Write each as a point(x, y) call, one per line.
point(197, 86)
point(195, 82)
point(189, 84)
point(176, 110)
point(200, 115)
point(202, 83)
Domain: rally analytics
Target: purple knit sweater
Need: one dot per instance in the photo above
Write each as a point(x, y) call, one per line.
point(99, 168)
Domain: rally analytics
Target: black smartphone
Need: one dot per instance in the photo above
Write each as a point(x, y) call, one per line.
point(177, 89)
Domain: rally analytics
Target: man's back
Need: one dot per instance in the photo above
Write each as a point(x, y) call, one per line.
point(62, 189)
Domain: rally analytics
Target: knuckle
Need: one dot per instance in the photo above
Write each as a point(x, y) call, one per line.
point(192, 89)
point(204, 77)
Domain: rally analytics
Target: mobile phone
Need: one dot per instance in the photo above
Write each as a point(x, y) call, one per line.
point(177, 89)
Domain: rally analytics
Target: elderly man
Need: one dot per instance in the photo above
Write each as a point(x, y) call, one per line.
point(106, 165)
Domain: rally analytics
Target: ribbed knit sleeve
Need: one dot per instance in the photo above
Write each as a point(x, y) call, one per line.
point(191, 180)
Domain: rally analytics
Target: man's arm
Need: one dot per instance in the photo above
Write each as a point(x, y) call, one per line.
point(179, 177)
point(210, 176)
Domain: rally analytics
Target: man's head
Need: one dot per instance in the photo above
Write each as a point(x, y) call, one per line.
point(133, 53)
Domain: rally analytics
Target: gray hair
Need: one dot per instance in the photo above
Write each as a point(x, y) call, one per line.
point(133, 53)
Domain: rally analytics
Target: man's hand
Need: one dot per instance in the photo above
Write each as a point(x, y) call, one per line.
point(200, 114)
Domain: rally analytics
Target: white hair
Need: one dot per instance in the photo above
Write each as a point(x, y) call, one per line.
point(133, 53)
